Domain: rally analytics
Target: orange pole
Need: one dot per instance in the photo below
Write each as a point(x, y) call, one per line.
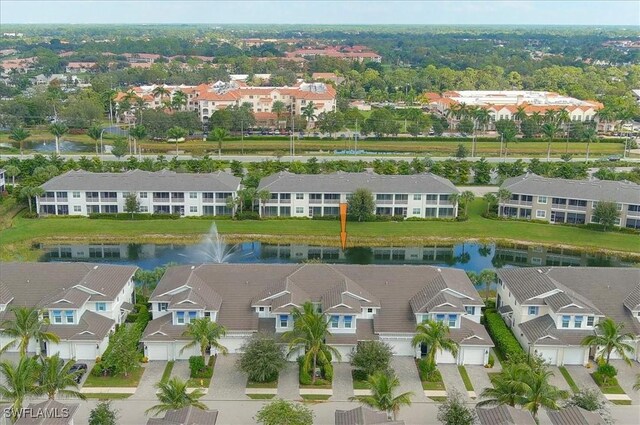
point(343, 225)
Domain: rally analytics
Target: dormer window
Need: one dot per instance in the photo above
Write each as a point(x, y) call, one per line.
point(348, 321)
point(192, 316)
point(284, 320)
point(452, 320)
point(591, 319)
point(180, 317)
point(370, 311)
point(565, 321)
point(101, 306)
point(533, 310)
point(57, 316)
point(577, 321)
point(470, 309)
point(335, 320)
point(163, 306)
point(440, 318)
point(69, 315)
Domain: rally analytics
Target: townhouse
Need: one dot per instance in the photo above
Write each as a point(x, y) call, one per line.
point(361, 302)
point(309, 195)
point(551, 310)
point(186, 416)
point(3, 183)
point(83, 302)
point(159, 192)
point(569, 201)
point(504, 415)
point(363, 416)
point(46, 413)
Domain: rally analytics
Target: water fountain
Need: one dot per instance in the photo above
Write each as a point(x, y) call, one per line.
point(213, 248)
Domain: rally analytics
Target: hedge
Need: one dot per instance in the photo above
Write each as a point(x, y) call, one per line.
point(506, 342)
point(135, 216)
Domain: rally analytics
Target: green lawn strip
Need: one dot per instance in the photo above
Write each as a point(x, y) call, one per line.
point(611, 388)
point(438, 399)
point(115, 381)
point(106, 396)
point(272, 384)
point(621, 402)
point(465, 378)
point(358, 384)
point(167, 371)
point(315, 397)
point(261, 396)
point(569, 379)
point(198, 382)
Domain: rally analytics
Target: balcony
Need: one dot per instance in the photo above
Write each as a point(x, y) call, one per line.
point(285, 201)
point(315, 201)
point(160, 199)
point(401, 201)
point(177, 199)
point(332, 201)
point(208, 200)
point(512, 202)
point(384, 201)
point(47, 199)
point(568, 207)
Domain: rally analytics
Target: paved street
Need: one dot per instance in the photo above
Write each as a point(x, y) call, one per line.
point(228, 382)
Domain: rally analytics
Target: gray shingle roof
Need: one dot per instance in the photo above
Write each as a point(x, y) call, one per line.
point(91, 327)
point(363, 416)
point(542, 331)
point(574, 416)
point(186, 416)
point(50, 412)
point(138, 180)
point(595, 190)
point(341, 182)
point(504, 415)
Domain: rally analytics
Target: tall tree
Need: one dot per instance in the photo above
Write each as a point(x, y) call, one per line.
point(161, 92)
point(262, 358)
point(466, 198)
point(361, 205)
point(19, 134)
point(56, 378)
point(538, 392)
point(589, 135)
point(30, 192)
point(103, 414)
point(383, 386)
point(610, 336)
point(95, 132)
point(25, 325)
point(173, 395)
point(131, 204)
point(309, 112)
point(219, 134)
point(58, 130)
point(204, 333)
point(310, 330)
point(18, 382)
point(503, 196)
point(12, 171)
point(606, 213)
point(435, 335)
point(278, 108)
point(179, 100)
point(507, 387)
point(549, 130)
point(263, 197)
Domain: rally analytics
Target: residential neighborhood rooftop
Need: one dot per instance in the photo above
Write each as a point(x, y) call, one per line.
point(504, 415)
point(363, 416)
point(186, 416)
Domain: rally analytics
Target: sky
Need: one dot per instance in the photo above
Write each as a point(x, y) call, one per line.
point(468, 12)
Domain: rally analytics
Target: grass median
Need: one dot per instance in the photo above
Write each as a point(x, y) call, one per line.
point(16, 241)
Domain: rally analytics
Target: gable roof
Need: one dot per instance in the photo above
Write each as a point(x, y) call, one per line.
point(91, 327)
point(186, 416)
point(363, 416)
point(44, 413)
point(574, 415)
point(504, 415)
point(438, 291)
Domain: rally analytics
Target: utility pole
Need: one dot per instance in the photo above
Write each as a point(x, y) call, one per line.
point(356, 138)
point(242, 135)
point(292, 147)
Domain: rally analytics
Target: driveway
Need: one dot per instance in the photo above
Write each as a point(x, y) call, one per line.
point(627, 378)
point(342, 382)
point(452, 379)
point(152, 375)
point(181, 370)
point(228, 382)
point(582, 377)
point(558, 380)
point(288, 382)
point(407, 373)
point(90, 364)
point(479, 376)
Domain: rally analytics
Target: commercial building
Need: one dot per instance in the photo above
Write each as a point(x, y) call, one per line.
point(309, 195)
point(159, 192)
point(362, 303)
point(82, 301)
point(569, 201)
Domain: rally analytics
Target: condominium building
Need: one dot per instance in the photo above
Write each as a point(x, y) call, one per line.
point(309, 195)
point(160, 192)
point(2, 180)
point(569, 201)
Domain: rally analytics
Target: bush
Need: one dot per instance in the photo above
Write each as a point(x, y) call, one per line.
point(136, 216)
point(304, 375)
point(492, 360)
point(371, 357)
point(327, 372)
point(325, 217)
point(30, 215)
point(607, 370)
point(428, 372)
point(196, 365)
point(248, 215)
point(262, 359)
point(506, 342)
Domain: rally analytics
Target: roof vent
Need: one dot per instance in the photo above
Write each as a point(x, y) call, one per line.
point(95, 267)
point(539, 271)
point(193, 267)
point(439, 270)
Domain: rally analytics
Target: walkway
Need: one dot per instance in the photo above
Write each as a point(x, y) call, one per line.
point(407, 373)
point(452, 379)
point(228, 382)
point(342, 382)
point(151, 376)
point(288, 382)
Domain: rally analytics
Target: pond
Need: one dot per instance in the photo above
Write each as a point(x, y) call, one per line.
point(468, 256)
point(49, 146)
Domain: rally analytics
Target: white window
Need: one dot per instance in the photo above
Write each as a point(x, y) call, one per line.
point(299, 195)
point(193, 209)
point(193, 195)
point(542, 199)
point(144, 208)
point(163, 306)
point(590, 320)
point(470, 309)
point(143, 194)
point(180, 317)
point(541, 213)
point(577, 322)
point(533, 310)
point(417, 197)
point(335, 320)
point(369, 310)
point(76, 194)
point(125, 194)
point(77, 208)
point(416, 211)
point(260, 308)
point(536, 260)
point(299, 210)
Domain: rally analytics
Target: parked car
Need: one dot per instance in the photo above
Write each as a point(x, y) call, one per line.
point(81, 368)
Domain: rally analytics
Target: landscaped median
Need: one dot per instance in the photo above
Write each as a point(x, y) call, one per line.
point(431, 379)
point(467, 382)
point(200, 374)
point(319, 389)
point(604, 377)
point(102, 386)
point(261, 390)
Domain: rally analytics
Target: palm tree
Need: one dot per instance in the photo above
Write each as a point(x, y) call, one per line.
point(58, 130)
point(12, 171)
point(590, 135)
point(278, 108)
point(636, 386)
point(538, 392)
point(173, 395)
point(94, 132)
point(490, 199)
point(19, 381)
point(435, 335)
point(520, 115)
point(507, 386)
point(263, 196)
point(605, 115)
point(310, 329)
point(487, 276)
point(19, 134)
point(138, 133)
point(382, 386)
point(466, 198)
point(610, 336)
point(454, 198)
point(219, 134)
point(176, 133)
point(205, 333)
point(161, 92)
point(179, 100)
point(309, 112)
point(55, 377)
point(31, 192)
point(503, 196)
point(25, 325)
point(549, 130)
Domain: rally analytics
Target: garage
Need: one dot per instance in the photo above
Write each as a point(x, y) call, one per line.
point(400, 346)
point(63, 349)
point(445, 357)
point(345, 351)
point(86, 351)
point(157, 351)
point(549, 355)
point(234, 343)
point(473, 356)
point(574, 356)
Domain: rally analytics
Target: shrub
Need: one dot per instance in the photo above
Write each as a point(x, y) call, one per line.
point(128, 216)
point(327, 372)
point(29, 214)
point(304, 375)
point(492, 360)
point(427, 371)
point(196, 365)
point(506, 342)
point(371, 357)
point(248, 215)
point(607, 370)
point(262, 359)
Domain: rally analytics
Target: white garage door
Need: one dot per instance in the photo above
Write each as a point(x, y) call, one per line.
point(345, 351)
point(62, 349)
point(574, 356)
point(157, 351)
point(233, 344)
point(401, 347)
point(473, 356)
point(86, 351)
point(445, 357)
point(549, 355)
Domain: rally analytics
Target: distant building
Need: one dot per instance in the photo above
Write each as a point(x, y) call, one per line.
point(353, 53)
point(80, 67)
point(2, 180)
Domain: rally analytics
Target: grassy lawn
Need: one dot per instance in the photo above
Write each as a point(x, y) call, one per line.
point(465, 378)
point(167, 371)
point(621, 402)
point(198, 382)
point(315, 397)
point(611, 388)
point(358, 384)
point(115, 381)
point(569, 379)
point(261, 396)
point(103, 396)
point(16, 241)
point(272, 384)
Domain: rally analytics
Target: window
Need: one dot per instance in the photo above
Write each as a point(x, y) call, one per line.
point(207, 314)
point(299, 195)
point(144, 209)
point(163, 306)
point(193, 209)
point(299, 210)
point(334, 321)
point(77, 208)
point(284, 320)
point(57, 316)
point(369, 310)
point(260, 308)
point(69, 315)
point(101, 306)
point(565, 321)
point(577, 322)
point(76, 194)
point(432, 197)
point(417, 197)
point(142, 195)
point(633, 208)
point(416, 211)
point(541, 213)
point(440, 318)
point(590, 320)
point(533, 310)
point(193, 195)
point(180, 317)
point(542, 199)
point(192, 316)
point(452, 320)
point(348, 321)
point(470, 309)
